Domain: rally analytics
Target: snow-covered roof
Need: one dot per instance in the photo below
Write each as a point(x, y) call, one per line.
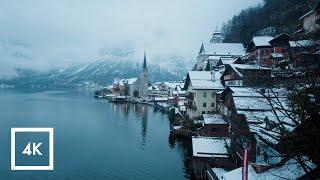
point(276, 55)
point(199, 75)
point(161, 98)
point(173, 85)
point(301, 43)
point(245, 92)
point(210, 147)
point(256, 108)
point(235, 49)
point(228, 61)
point(235, 67)
point(214, 119)
point(262, 40)
point(290, 170)
point(203, 80)
point(206, 85)
point(179, 92)
point(249, 66)
point(131, 80)
point(218, 172)
point(247, 103)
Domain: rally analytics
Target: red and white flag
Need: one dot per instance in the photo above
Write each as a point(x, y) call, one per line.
point(245, 165)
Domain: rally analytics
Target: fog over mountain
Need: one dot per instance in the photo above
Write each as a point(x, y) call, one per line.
point(46, 35)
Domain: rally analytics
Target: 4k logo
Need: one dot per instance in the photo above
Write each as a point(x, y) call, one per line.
point(35, 151)
point(26, 148)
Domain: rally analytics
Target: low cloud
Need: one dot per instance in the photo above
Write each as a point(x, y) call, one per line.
point(61, 33)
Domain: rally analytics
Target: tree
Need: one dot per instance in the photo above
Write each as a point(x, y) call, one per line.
point(136, 93)
point(208, 68)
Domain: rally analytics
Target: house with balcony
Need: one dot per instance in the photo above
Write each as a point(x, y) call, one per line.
point(267, 51)
point(246, 75)
point(201, 88)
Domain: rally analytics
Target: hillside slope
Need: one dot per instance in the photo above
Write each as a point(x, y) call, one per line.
point(271, 18)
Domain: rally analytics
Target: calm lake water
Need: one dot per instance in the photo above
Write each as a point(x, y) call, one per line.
point(94, 139)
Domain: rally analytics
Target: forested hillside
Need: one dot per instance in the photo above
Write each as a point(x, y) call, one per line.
point(270, 18)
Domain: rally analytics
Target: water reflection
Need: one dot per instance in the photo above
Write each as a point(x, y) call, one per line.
point(140, 111)
point(186, 145)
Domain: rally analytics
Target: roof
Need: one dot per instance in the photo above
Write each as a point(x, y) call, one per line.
point(276, 55)
point(290, 170)
point(206, 84)
point(236, 68)
point(132, 80)
point(228, 60)
point(199, 75)
point(214, 119)
point(262, 40)
point(301, 43)
point(235, 49)
point(280, 36)
point(256, 108)
point(210, 147)
point(217, 171)
point(203, 80)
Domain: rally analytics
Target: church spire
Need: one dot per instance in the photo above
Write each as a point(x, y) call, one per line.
point(145, 61)
point(202, 51)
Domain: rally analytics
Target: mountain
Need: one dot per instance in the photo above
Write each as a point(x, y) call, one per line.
point(99, 73)
point(271, 18)
point(111, 63)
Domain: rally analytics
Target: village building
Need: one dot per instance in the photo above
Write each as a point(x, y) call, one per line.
point(140, 86)
point(201, 88)
point(254, 124)
point(210, 152)
point(298, 46)
point(267, 51)
point(217, 37)
point(215, 125)
point(311, 22)
point(290, 169)
point(305, 61)
point(246, 75)
point(211, 52)
point(225, 61)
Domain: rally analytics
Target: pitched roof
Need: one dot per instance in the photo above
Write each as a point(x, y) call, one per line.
point(235, 49)
point(236, 68)
point(290, 170)
point(302, 43)
point(213, 119)
point(202, 80)
point(262, 40)
point(210, 147)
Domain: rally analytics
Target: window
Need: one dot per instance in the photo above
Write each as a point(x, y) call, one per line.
point(204, 94)
point(214, 130)
point(203, 112)
point(204, 104)
point(212, 94)
point(212, 104)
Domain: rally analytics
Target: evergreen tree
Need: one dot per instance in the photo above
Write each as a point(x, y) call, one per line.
point(208, 68)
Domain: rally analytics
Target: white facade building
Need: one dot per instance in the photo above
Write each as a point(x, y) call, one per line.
point(201, 87)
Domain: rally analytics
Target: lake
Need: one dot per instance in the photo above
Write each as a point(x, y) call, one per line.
point(93, 139)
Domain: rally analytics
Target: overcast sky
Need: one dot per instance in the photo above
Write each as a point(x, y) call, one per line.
point(58, 32)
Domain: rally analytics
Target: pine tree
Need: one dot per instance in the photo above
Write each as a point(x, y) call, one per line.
point(208, 68)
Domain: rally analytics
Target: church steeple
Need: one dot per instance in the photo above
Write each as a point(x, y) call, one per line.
point(202, 51)
point(145, 61)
